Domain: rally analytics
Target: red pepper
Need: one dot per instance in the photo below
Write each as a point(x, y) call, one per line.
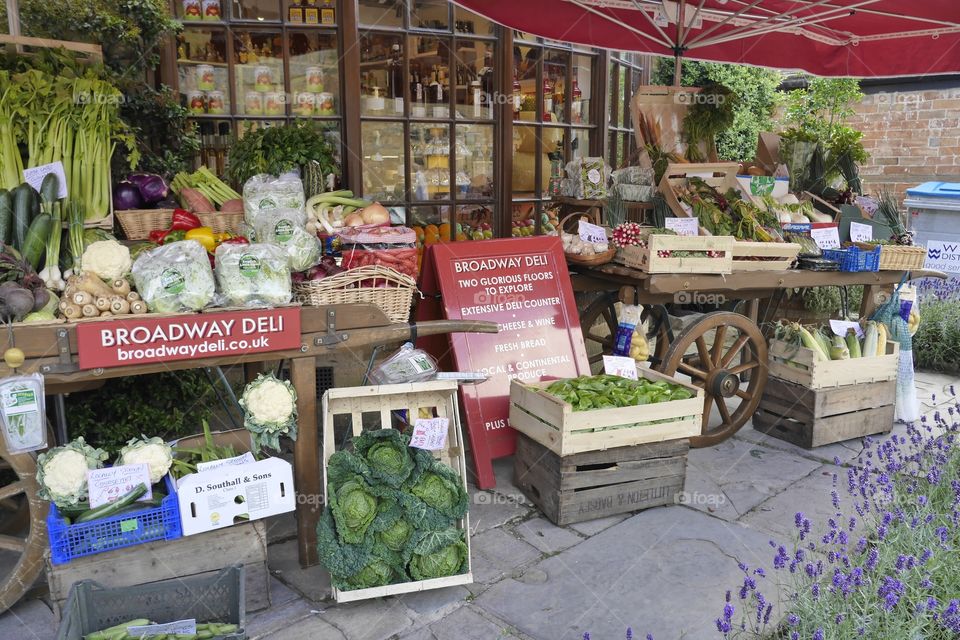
point(183, 220)
point(235, 240)
point(157, 235)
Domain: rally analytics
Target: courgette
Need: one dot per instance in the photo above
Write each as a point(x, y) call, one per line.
point(22, 200)
point(49, 190)
point(107, 510)
point(35, 243)
point(6, 216)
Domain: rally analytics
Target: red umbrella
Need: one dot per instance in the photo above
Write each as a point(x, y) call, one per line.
point(858, 38)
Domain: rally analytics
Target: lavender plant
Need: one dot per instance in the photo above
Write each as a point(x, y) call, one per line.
point(886, 567)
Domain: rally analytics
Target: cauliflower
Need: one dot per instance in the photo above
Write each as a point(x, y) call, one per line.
point(153, 452)
point(269, 410)
point(108, 259)
point(62, 472)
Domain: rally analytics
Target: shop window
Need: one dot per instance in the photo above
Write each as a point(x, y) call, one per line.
point(625, 77)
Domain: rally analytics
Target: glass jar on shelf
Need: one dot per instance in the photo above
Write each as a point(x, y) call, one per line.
point(258, 69)
point(202, 70)
point(314, 69)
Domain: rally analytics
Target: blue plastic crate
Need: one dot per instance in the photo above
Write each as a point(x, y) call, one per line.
point(854, 259)
point(69, 541)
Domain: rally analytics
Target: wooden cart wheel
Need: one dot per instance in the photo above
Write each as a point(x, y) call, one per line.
point(715, 352)
point(21, 547)
point(599, 321)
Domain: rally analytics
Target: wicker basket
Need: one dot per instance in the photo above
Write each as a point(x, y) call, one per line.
point(222, 222)
point(899, 258)
point(595, 260)
point(353, 286)
point(138, 223)
point(592, 216)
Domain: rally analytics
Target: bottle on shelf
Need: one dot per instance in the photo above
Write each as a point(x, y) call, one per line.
point(437, 98)
point(486, 82)
point(475, 97)
point(295, 12)
point(395, 79)
point(558, 97)
point(517, 97)
point(311, 13)
point(576, 103)
point(328, 13)
point(418, 107)
point(547, 99)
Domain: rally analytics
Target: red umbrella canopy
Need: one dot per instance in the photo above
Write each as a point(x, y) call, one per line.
point(858, 38)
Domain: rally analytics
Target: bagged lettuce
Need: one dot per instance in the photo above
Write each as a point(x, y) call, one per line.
point(175, 277)
point(253, 274)
point(263, 191)
point(287, 228)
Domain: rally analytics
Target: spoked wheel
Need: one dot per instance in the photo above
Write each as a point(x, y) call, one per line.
point(22, 514)
point(715, 352)
point(599, 325)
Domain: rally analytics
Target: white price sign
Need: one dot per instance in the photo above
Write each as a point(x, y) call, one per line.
point(840, 327)
point(180, 627)
point(860, 232)
point(430, 433)
point(246, 458)
point(943, 256)
point(620, 366)
point(826, 238)
point(110, 484)
point(34, 177)
point(683, 226)
point(592, 233)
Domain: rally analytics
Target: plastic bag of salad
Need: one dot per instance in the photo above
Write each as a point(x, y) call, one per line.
point(175, 277)
point(263, 191)
point(22, 413)
point(253, 274)
point(287, 228)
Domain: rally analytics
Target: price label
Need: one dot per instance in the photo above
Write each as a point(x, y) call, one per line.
point(34, 177)
point(861, 232)
point(840, 328)
point(620, 366)
point(592, 233)
point(826, 238)
point(110, 484)
point(430, 433)
point(683, 226)
point(180, 627)
point(246, 458)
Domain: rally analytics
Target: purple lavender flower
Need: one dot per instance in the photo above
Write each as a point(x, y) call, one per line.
point(629, 633)
point(793, 619)
point(818, 634)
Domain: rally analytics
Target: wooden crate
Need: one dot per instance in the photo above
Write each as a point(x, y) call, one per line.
point(553, 423)
point(374, 407)
point(204, 553)
point(596, 484)
point(648, 259)
point(776, 256)
point(797, 364)
point(814, 417)
point(722, 175)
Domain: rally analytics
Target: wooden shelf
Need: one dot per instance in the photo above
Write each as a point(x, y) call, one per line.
point(212, 64)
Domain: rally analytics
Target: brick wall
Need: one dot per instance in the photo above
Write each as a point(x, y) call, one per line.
point(912, 137)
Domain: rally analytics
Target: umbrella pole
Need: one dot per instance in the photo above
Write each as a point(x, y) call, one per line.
point(677, 68)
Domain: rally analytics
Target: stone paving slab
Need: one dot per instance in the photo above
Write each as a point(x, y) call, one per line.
point(546, 536)
point(810, 495)
point(28, 620)
point(639, 574)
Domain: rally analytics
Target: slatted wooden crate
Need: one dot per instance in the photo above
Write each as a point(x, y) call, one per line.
point(650, 259)
point(385, 406)
point(764, 256)
point(814, 417)
point(596, 484)
point(797, 364)
point(202, 554)
point(553, 423)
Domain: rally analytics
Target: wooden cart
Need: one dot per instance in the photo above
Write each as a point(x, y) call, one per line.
point(725, 351)
point(329, 335)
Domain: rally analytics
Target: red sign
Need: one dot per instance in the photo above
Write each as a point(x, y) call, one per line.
point(141, 339)
point(524, 286)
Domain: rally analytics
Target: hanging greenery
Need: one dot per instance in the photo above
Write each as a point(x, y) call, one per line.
point(712, 112)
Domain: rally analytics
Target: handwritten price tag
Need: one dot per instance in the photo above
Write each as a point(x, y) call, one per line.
point(840, 328)
point(826, 238)
point(246, 458)
point(683, 226)
point(108, 485)
point(620, 366)
point(861, 232)
point(180, 627)
point(592, 233)
point(430, 433)
point(35, 175)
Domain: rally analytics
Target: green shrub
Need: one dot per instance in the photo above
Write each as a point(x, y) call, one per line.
point(936, 345)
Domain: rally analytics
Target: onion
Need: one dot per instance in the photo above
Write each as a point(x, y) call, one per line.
point(375, 213)
point(353, 220)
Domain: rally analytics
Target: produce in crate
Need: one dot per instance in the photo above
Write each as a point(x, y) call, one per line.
point(153, 452)
point(606, 391)
point(827, 346)
point(269, 411)
point(175, 277)
point(87, 296)
point(727, 214)
point(574, 244)
point(254, 274)
point(391, 514)
point(185, 459)
point(62, 472)
point(123, 631)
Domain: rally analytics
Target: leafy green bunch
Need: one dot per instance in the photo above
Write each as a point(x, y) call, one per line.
point(277, 150)
point(391, 514)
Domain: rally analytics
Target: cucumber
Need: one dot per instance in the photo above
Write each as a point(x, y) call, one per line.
point(107, 510)
point(50, 188)
point(22, 200)
point(6, 216)
point(35, 242)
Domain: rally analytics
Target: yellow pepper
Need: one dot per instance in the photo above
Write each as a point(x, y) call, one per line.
point(203, 235)
point(220, 237)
